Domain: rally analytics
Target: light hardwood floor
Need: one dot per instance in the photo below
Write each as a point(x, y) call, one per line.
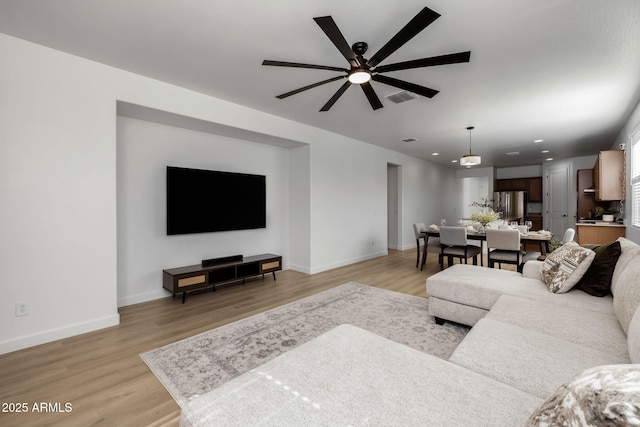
point(101, 375)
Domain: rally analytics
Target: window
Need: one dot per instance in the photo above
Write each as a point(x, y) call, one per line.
point(635, 178)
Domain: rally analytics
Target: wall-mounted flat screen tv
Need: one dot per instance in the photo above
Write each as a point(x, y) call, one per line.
point(201, 201)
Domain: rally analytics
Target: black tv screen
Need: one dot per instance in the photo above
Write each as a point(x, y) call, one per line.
point(200, 201)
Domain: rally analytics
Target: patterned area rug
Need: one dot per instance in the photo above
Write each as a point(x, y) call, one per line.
point(198, 364)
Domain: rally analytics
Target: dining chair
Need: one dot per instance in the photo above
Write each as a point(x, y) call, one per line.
point(503, 246)
point(569, 235)
point(454, 244)
point(418, 228)
point(431, 244)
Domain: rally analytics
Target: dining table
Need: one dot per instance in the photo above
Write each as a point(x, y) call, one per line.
point(541, 238)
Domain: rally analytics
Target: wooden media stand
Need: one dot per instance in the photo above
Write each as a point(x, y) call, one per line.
point(193, 277)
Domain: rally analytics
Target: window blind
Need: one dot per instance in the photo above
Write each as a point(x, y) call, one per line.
point(635, 178)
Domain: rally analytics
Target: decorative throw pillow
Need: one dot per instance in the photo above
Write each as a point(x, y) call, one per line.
point(601, 396)
point(597, 280)
point(565, 266)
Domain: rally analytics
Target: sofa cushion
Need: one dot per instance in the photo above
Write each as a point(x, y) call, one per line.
point(630, 252)
point(604, 395)
point(627, 295)
point(350, 376)
point(528, 360)
point(481, 287)
point(633, 341)
point(565, 266)
point(594, 330)
point(597, 280)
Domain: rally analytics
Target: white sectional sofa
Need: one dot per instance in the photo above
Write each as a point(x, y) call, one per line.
point(535, 340)
point(532, 357)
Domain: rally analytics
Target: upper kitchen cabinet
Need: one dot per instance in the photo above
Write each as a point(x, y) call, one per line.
point(608, 175)
point(533, 187)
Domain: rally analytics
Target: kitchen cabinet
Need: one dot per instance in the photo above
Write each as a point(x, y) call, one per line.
point(533, 187)
point(599, 234)
point(608, 175)
point(536, 220)
point(513, 184)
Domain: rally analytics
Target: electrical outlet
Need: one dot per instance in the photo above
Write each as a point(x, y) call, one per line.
point(22, 308)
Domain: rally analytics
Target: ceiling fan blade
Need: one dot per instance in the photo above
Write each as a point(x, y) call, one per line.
point(335, 96)
point(371, 95)
point(452, 58)
point(311, 86)
point(411, 87)
point(332, 31)
point(419, 22)
point(299, 65)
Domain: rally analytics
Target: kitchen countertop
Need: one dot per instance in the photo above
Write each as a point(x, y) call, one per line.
point(600, 224)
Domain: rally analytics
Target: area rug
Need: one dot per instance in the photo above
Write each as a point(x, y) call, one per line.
point(198, 364)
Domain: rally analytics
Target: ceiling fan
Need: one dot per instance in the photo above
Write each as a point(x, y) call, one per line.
point(363, 70)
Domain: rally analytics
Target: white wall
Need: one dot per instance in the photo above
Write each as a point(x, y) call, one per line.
point(144, 149)
point(300, 208)
point(59, 232)
point(429, 193)
point(519, 172)
point(58, 198)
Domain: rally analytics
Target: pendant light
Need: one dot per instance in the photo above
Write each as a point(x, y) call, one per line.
point(470, 159)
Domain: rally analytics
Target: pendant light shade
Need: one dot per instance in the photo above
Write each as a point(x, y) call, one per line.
point(470, 159)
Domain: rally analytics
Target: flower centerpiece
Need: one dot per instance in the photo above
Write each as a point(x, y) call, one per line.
point(485, 218)
point(486, 214)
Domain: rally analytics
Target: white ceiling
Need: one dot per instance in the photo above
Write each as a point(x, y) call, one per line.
point(566, 71)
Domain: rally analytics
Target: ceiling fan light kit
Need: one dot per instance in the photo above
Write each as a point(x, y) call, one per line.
point(470, 159)
point(361, 70)
point(359, 76)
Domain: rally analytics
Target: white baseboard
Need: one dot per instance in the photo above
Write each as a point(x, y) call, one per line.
point(143, 297)
point(59, 333)
point(326, 267)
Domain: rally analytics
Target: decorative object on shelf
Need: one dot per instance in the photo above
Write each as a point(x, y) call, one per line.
point(470, 159)
point(608, 215)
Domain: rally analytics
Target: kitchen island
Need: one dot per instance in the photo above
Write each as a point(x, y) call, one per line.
point(599, 232)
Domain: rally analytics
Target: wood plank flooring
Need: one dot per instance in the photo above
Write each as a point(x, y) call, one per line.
point(101, 375)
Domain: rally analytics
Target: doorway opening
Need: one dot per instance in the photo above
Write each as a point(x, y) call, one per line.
point(394, 206)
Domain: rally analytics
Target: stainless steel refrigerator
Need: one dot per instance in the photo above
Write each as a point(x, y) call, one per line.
point(512, 204)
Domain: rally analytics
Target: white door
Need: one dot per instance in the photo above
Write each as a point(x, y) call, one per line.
point(557, 199)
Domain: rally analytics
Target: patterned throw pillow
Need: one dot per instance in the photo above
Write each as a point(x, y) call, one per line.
point(565, 266)
point(601, 396)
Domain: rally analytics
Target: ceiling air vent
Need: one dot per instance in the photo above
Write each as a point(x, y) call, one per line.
point(513, 153)
point(399, 97)
point(410, 139)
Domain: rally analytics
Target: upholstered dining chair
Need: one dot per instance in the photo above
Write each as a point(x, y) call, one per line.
point(432, 245)
point(569, 235)
point(454, 244)
point(503, 246)
point(429, 244)
point(418, 228)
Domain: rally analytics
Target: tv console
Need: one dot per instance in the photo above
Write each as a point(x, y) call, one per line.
point(201, 276)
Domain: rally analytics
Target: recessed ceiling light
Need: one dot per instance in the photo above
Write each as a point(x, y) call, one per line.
point(454, 161)
point(513, 153)
point(435, 154)
point(538, 141)
point(549, 159)
point(544, 151)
